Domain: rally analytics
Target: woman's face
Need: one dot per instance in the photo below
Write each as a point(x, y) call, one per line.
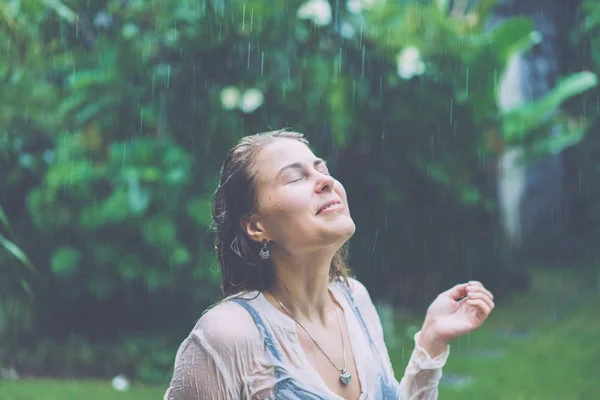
point(299, 206)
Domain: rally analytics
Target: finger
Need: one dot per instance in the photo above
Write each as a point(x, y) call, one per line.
point(479, 289)
point(478, 286)
point(481, 296)
point(480, 304)
point(457, 291)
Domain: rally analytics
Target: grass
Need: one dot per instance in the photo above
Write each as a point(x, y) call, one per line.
point(48, 389)
point(552, 353)
point(558, 357)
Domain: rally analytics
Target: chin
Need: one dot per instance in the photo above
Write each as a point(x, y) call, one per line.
point(341, 230)
point(351, 228)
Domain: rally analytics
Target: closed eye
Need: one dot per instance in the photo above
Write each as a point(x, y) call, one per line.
point(319, 164)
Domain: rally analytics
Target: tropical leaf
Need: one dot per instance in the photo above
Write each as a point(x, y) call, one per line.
point(523, 120)
point(16, 252)
point(4, 221)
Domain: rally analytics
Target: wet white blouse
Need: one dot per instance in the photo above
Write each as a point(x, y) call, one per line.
point(245, 348)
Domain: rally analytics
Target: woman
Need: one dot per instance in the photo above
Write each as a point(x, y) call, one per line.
point(294, 325)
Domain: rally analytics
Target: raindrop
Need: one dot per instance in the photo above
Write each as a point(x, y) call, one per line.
point(244, 17)
point(360, 41)
point(362, 71)
point(141, 120)
point(467, 83)
point(375, 241)
point(249, 48)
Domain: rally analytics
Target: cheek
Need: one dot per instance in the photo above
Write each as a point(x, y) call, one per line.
point(285, 205)
point(291, 203)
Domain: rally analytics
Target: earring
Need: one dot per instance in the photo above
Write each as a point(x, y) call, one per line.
point(264, 252)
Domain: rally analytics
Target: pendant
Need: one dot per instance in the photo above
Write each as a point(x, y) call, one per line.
point(345, 377)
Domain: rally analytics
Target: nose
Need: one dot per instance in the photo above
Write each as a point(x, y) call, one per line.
point(325, 183)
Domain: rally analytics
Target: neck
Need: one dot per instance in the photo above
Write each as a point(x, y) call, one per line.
point(302, 285)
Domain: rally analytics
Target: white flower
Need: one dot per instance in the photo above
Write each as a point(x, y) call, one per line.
point(442, 5)
point(347, 31)
point(318, 11)
point(409, 63)
point(120, 383)
point(251, 100)
point(129, 31)
point(230, 97)
point(172, 35)
point(536, 37)
point(472, 19)
point(356, 6)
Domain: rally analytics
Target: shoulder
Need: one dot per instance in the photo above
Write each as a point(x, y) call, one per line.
point(212, 361)
point(358, 292)
point(227, 323)
point(358, 289)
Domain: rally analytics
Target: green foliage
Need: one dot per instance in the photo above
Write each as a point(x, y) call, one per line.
point(133, 195)
point(16, 295)
point(531, 121)
point(583, 161)
point(64, 261)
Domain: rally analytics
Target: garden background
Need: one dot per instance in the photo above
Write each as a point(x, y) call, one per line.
point(116, 114)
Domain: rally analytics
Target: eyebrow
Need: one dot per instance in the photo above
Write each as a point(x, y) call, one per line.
point(298, 165)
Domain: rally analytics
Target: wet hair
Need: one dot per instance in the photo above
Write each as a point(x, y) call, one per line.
point(241, 267)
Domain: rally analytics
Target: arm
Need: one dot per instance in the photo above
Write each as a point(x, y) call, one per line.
point(212, 361)
point(423, 373)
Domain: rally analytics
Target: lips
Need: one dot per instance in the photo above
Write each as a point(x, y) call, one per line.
point(329, 203)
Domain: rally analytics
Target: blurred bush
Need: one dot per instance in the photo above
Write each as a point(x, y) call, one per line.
point(115, 116)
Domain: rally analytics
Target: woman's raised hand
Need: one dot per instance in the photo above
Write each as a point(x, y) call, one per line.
point(454, 313)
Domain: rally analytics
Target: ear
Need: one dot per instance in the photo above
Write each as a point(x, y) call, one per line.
point(253, 229)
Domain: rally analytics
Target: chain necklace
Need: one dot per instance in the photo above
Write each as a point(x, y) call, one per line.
point(345, 376)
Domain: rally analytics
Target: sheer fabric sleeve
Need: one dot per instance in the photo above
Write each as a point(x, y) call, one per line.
point(422, 375)
point(213, 361)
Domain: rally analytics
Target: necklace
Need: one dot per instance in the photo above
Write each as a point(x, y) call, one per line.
point(345, 376)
